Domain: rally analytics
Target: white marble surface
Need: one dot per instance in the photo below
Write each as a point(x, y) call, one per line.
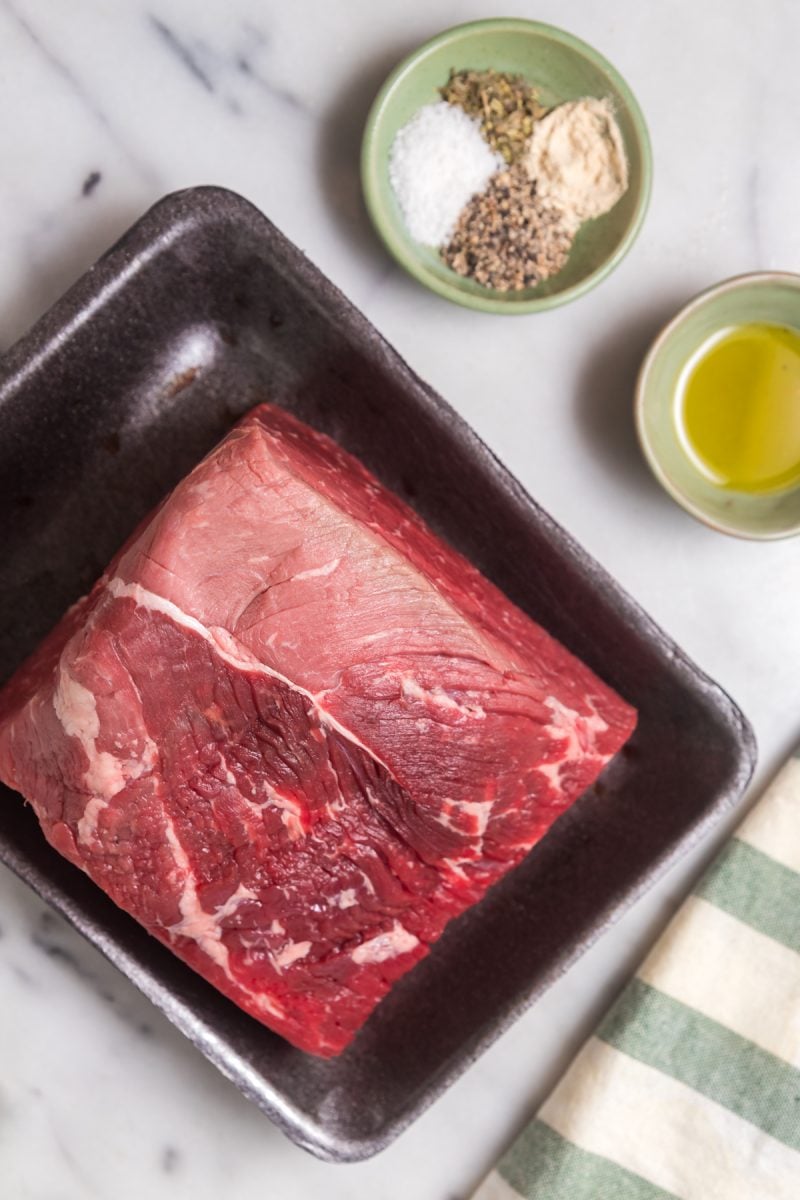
point(99, 1096)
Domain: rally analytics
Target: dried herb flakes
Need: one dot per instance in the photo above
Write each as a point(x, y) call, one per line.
point(506, 105)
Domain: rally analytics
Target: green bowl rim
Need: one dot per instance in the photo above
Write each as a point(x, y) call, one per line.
point(733, 284)
point(409, 261)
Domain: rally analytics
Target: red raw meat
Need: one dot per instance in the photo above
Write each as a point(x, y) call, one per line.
point(294, 734)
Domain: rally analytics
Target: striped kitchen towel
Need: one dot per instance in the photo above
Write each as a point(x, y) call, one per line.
point(690, 1088)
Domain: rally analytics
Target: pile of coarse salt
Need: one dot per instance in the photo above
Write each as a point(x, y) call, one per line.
point(438, 162)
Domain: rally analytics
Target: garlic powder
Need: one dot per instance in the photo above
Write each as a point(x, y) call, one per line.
point(577, 159)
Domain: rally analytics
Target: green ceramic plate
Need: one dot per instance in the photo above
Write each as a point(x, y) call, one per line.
point(563, 68)
point(772, 297)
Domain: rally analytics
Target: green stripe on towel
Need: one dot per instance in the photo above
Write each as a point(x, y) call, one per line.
point(692, 1083)
point(758, 890)
point(542, 1165)
point(727, 1068)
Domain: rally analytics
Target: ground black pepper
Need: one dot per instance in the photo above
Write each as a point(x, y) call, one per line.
point(507, 238)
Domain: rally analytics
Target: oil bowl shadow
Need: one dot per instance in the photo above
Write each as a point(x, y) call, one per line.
point(768, 297)
point(562, 68)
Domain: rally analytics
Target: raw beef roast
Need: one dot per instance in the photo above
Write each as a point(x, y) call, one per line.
point(294, 734)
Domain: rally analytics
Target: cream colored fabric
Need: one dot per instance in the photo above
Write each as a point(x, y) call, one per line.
point(690, 1088)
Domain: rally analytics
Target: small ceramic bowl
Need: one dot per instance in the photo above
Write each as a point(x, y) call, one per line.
point(563, 68)
point(772, 297)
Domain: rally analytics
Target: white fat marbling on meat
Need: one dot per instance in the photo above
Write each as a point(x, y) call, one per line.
point(390, 944)
point(437, 697)
point(551, 772)
point(578, 733)
point(76, 708)
point(230, 650)
point(279, 799)
point(293, 825)
point(233, 902)
point(204, 927)
point(254, 809)
point(224, 765)
point(87, 825)
point(288, 954)
point(106, 775)
point(456, 867)
point(392, 632)
point(346, 899)
point(566, 721)
point(339, 803)
point(317, 572)
point(481, 810)
point(368, 884)
point(291, 810)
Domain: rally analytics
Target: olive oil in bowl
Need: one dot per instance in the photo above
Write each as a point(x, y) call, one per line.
point(738, 408)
